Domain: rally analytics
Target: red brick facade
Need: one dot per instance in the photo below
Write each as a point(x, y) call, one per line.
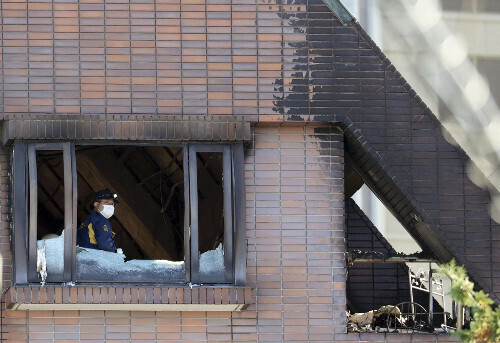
point(287, 77)
point(295, 264)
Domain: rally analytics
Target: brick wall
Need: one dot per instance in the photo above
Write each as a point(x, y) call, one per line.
point(116, 326)
point(266, 61)
point(296, 250)
point(169, 57)
point(295, 262)
point(5, 253)
point(295, 234)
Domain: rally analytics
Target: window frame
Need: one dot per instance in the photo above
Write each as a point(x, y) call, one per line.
point(25, 225)
point(70, 203)
point(228, 215)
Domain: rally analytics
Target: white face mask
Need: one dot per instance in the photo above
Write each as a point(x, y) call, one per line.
point(107, 211)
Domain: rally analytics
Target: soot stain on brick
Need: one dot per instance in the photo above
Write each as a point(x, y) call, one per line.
point(324, 139)
point(309, 90)
point(295, 117)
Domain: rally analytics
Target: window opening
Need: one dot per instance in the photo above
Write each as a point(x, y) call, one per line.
point(45, 219)
point(382, 277)
point(212, 202)
point(385, 222)
point(149, 220)
point(50, 213)
point(174, 222)
point(211, 225)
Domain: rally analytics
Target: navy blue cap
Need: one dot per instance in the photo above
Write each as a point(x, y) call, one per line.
point(106, 194)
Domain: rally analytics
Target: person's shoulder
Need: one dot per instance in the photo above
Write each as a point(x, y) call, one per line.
point(96, 217)
point(100, 220)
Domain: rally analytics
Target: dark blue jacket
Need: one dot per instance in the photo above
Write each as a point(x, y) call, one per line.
point(96, 233)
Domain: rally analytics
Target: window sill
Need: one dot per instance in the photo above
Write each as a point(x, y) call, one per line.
point(128, 298)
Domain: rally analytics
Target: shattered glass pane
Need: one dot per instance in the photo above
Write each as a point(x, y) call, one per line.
point(99, 265)
point(50, 257)
point(212, 263)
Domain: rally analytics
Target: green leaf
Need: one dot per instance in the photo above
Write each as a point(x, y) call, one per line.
point(486, 324)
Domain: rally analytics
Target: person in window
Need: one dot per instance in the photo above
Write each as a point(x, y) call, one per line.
point(95, 232)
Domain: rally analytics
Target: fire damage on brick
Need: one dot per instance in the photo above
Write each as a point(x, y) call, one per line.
point(383, 293)
point(330, 82)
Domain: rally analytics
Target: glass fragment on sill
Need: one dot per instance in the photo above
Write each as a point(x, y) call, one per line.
point(100, 265)
point(41, 262)
point(50, 256)
point(212, 262)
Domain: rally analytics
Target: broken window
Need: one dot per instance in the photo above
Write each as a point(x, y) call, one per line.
point(384, 292)
point(178, 220)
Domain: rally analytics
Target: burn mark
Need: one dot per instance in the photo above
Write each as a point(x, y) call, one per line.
point(309, 90)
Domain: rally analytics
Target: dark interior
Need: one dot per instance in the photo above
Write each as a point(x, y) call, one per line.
point(149, 181)
point(373, 285)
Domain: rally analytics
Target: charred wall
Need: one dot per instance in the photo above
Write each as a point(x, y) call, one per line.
point(399, 147)
point(372, 285)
